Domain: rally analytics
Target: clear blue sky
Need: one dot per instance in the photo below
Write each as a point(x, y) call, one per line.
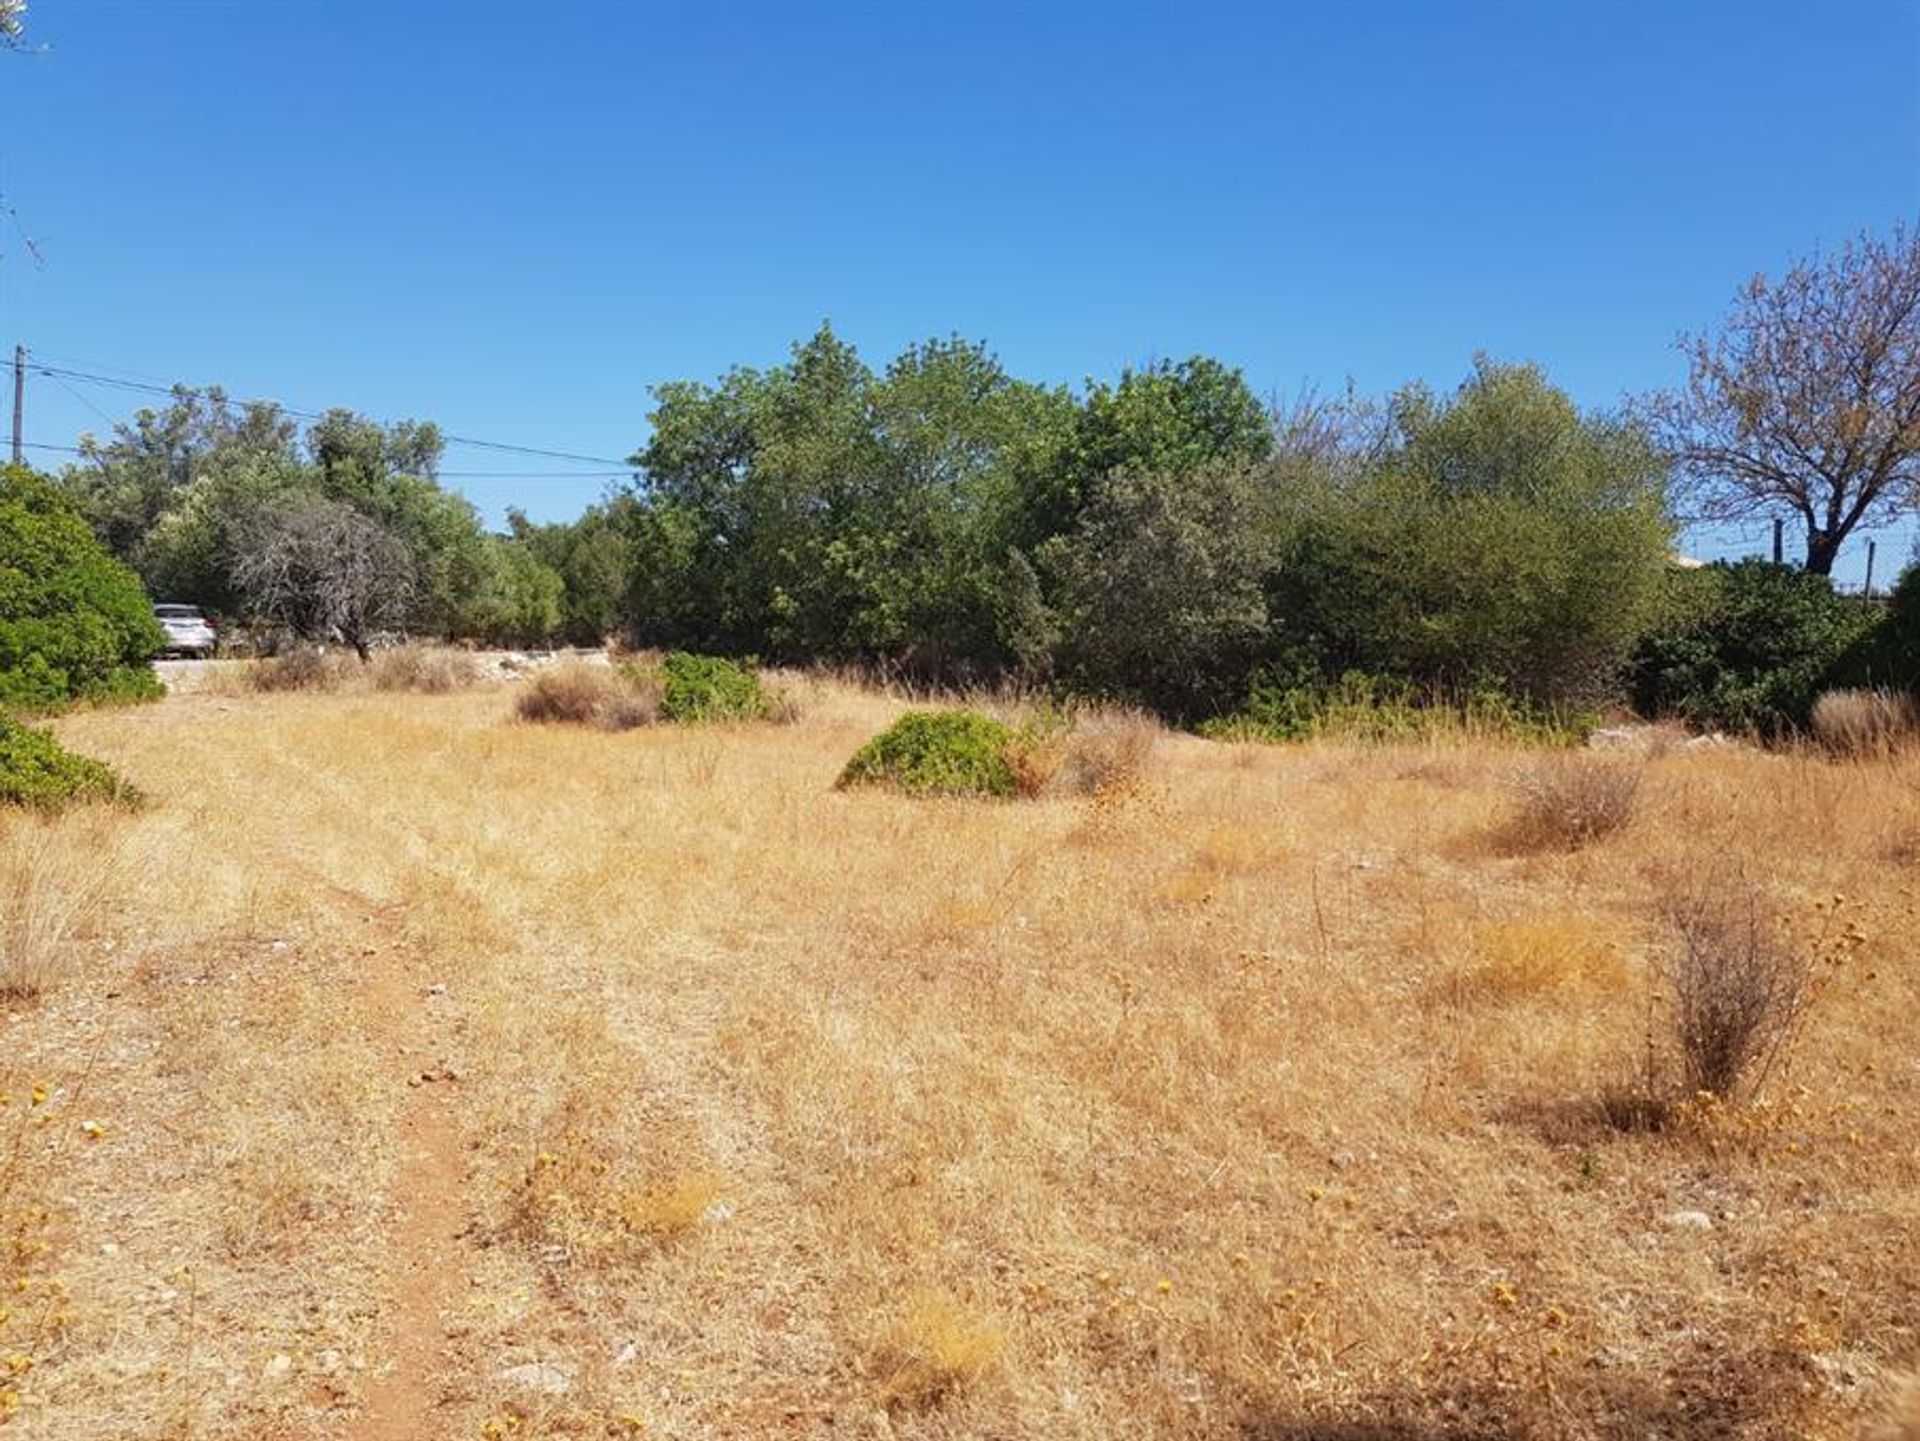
point(514, 219)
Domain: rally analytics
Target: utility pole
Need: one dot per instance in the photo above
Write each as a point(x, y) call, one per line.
point(19, 395)
point(1779, 548)
point(1872, 546)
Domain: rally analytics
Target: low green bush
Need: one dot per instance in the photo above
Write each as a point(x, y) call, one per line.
point(1746, 648)
point(1385, 710)
point(75, 624)
point(944, 753)
point(39, 773)
point(701, 688)
point(1887, 657)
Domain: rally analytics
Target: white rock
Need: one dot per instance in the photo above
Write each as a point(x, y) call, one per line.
point(541, 1376)
point(1690, 1221)
point(279, 1367)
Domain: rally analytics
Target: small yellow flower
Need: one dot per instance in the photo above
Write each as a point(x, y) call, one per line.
point(39, 1095)
point(92, 1130)
point(1163, 1285)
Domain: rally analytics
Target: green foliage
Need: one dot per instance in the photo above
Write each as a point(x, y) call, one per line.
point(1888, 655)
point(517, 600)
point(1500, 538)
point(1159, 589)
point(74, 623)
point(944, 753)
point(1382, 709)
point(1746, 647)
point(819, 510)
point(39, 773)
point(698, 688)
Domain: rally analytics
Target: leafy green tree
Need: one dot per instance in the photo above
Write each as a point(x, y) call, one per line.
point(1167, 419)
point(818, 509)
point(520, 600)
point(125, 484)
point(74, 623)
point(1498, 537)
point(1160, 590)
point(594, 558)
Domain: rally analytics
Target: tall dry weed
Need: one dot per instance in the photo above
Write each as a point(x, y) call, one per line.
point(424, 670)
point(52, 886)
point(1865, 722)
point(1566, 801)
point(1737, 986)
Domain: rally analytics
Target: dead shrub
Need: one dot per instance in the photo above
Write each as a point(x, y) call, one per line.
point(1865, 722)
point(1109, 750)
point(1036, 755)
point(1569, 801)
point(934, 1348)
point(1736, 986)
point(427, 670)
point(300, 668)
point(578, 694)
point(785, 703)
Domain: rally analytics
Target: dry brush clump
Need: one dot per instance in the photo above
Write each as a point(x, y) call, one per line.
point(1737, 985)
point(424, 670)
point(1567, 801)
point(577, 693)
point(300, 668)
point(931, 1350)
point(1865, 722)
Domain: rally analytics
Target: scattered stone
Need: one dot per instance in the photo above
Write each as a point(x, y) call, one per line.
point(279, 1367)
point(327, 1362)
point(438, 988)
point(628, 1353)
point(109, 1248)
point(1690, 1221)
point(541, 1376)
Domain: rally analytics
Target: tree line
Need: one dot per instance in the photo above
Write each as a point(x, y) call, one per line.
point(1165, 537)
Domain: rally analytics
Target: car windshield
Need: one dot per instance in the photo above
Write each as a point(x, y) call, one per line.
point(176, 612)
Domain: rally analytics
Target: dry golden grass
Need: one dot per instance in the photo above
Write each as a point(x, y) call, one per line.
point(1260, 1099)
point(1866, 722)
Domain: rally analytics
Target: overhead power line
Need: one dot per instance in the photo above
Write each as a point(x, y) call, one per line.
point(148, 387)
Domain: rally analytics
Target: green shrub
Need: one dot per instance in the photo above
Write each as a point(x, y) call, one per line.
point(37, 772)
point(949, 753)
point(74, 623)
point(1746, 648)
point(700, 688)
point(1887, 657)
point(1385, 710)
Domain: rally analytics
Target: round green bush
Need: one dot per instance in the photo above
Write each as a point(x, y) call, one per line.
point(697, 688)
point(39, 773)
point(75, 624)
point(1746, 648)
point(947, 753)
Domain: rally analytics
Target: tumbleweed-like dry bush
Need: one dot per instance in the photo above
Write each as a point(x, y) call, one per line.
point(417, 1074)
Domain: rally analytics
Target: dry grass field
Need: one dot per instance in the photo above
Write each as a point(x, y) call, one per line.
point(406, 1071)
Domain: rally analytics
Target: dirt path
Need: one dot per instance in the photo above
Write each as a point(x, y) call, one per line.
point(427, 1215)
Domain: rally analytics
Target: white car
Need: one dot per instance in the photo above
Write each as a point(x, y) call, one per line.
point(188, 631)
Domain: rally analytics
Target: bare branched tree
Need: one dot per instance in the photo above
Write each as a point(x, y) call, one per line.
point(12, 15)
point(1808, 400)
point(323, 570)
